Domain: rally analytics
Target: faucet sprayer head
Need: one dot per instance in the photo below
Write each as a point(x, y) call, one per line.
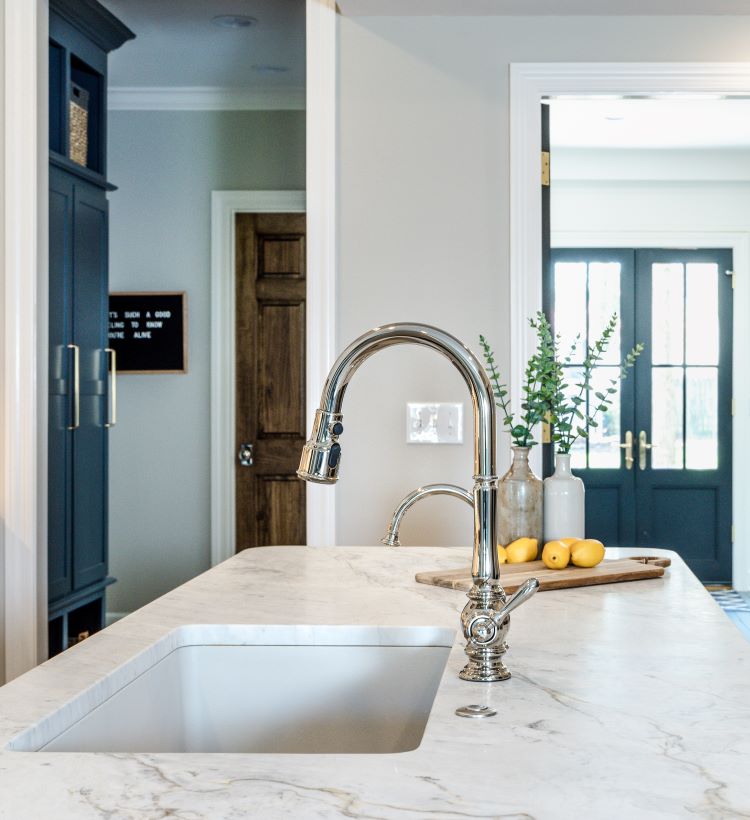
point(321, 454)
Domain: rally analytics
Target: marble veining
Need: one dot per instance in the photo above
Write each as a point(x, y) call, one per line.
point(627, 701)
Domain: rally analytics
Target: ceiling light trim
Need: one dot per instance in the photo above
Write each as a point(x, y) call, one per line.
point(204, 98)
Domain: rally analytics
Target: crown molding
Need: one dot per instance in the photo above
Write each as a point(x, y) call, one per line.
point(204, 98)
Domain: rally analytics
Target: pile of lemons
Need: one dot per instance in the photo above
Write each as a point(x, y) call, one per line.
point(581, 552)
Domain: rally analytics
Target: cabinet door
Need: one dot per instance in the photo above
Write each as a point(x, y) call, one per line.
point(90, 299)
point(60, 373)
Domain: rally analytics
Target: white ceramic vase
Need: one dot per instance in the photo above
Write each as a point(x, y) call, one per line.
point(564, 502)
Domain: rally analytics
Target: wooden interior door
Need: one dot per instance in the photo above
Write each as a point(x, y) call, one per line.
point(270, 374)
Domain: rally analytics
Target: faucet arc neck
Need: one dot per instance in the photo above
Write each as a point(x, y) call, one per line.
point(453, 349)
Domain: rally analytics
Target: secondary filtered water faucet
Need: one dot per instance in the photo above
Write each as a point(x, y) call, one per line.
point(391, 537)
point(485, 618)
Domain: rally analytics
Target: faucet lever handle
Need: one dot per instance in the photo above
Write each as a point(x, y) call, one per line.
point(520, 596)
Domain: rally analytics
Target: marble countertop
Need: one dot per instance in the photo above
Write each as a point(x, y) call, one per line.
point(627, 701)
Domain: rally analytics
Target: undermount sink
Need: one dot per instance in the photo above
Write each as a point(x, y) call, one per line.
point(259, 689)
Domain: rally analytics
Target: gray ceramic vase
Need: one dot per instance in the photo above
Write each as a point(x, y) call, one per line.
point(520, 495)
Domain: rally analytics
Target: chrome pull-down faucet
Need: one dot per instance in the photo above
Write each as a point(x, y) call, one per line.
point(485, 617)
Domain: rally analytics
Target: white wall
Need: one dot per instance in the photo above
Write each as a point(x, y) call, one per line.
point(424, 220)
point(166, 164)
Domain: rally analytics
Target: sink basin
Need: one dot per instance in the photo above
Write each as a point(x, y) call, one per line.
point(251, 689)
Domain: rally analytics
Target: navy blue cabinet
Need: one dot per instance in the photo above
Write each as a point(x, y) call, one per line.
point(81, 34)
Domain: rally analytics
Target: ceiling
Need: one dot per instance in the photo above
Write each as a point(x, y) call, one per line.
point(653, 123)
point(177, 44)
point(539, 7)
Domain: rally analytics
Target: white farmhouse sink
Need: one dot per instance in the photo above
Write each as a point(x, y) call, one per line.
point(283, 689)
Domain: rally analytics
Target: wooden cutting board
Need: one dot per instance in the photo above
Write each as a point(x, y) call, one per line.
point(610, 571)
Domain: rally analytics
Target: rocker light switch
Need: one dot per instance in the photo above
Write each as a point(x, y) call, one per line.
point(436, 423)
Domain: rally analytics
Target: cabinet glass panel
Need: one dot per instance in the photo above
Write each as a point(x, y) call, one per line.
point(667, 385)
point(667, 313)
point(702, 314)
point(702, 417)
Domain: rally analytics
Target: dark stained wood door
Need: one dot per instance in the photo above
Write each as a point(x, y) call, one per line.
point(270, 373)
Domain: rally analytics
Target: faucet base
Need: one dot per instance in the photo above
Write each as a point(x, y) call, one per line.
point(485, 636)
point(485, 670)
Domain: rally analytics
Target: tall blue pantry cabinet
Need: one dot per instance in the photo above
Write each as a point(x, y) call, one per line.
point(82, 33)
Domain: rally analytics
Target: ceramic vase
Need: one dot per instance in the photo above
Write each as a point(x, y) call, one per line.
point(520, 494)
point(564, 502)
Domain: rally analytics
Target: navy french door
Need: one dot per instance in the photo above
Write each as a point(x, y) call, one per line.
point(658, 467)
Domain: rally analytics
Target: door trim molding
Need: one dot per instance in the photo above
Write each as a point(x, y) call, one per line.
point(738, 241)
point(225, 205)
point(529, 84)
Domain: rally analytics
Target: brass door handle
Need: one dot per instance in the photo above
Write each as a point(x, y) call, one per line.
point(643, 447)
point(628, 447)
point(112, 405)
point(76, 386)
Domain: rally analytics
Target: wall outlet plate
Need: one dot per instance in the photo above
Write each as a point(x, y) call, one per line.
point(434, 423)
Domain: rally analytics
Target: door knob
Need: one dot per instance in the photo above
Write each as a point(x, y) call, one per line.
point(643, 447)
point(245, 454)
point(628, 447)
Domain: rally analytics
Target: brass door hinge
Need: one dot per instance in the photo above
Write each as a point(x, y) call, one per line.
point(732, 537)
point(546, 430)
point(545, 169)
point(733, 275)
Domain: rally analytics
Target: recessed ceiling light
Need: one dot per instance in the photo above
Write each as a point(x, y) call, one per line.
point(234, 21)
point(271, 69)
point(613, 118)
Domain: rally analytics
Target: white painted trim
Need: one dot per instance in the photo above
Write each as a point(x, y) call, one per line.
point(529, 84)
point(204, 98)
point(738, 241)
point(322, 50)
point(225, 205)
point(18, 405)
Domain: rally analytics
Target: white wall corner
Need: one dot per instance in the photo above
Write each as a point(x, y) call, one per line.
point(18, 376)
point(322, 50)
point(204, 98)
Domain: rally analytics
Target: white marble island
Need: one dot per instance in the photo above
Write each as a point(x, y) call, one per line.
point(628, 700)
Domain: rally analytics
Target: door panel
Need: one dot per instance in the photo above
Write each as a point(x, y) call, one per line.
point(588, 285)
point(676, 402)
point(270, 355)
point(90, 286)
point(683, 406)
point(59, 463)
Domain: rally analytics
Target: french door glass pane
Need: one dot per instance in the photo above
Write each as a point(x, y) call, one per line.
point(604, 440)
point(666, 418)
point(667, 313)
point(702, 444)
point(604, 300)
point(702, 314)
point(573, 377)
point(570, 306)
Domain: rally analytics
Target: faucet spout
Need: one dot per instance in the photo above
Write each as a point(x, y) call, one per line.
point(391, 538)
point(321, 458)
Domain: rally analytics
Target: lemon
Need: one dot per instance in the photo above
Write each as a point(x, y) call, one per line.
point(587, 553)
point(502, 556)
point(522, 549)
point(556, 554)
point(570, 541)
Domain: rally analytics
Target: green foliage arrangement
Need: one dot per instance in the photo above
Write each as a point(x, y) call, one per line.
point(546, 394)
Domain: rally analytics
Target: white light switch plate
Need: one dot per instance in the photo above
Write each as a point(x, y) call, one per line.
point(434, 423)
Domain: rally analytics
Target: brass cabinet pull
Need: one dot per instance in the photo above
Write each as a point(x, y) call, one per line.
point(628, 447)
point(643, 447)
point(76, 386)
point(112, 404)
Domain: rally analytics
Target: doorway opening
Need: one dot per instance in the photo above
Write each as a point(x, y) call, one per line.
point(616, 199)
